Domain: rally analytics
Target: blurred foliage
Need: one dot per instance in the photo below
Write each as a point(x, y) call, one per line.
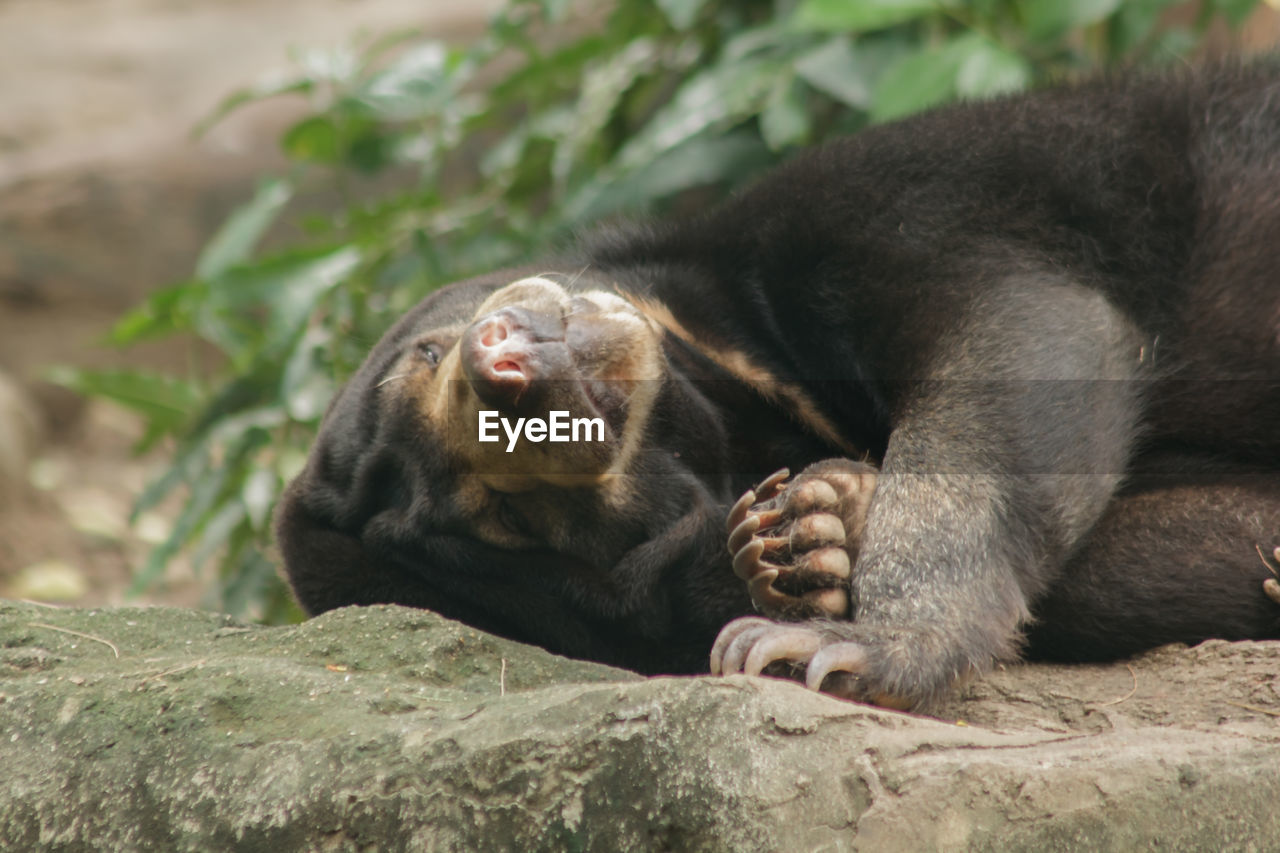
point(557, 117)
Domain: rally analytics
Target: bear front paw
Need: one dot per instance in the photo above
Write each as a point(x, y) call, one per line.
point(795, 543)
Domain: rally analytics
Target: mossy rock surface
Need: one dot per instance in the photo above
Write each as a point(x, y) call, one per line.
point(386, 728)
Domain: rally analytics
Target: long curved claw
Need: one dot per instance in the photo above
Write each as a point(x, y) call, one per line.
point(763, 594)
point(758, 575)
point(772, 484)
point(774, 544)
point(742, 533)
point(797, 644)
point(736, 654)
point(768, 517)
point(746, 563)
point(740, 522)
point(728, 634)
point(793, 545)
point(738, 514)
point(832, 602)
point(843, 657)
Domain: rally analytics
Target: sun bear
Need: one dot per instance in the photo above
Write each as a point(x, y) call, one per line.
point(1023, 354)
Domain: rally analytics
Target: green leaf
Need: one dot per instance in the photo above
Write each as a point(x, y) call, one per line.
point(920, 80)
point(267, 88)
point(258, 494)
point(313, 140)
point(288, 286)
point(216, 531)
point(206, 504)
point(165, 401)
point(203, 494)
point(333, 65)
point(681, 13)
point(306, 388)
point(225, 418)
point(189, 462)
point(555, 9)
point(861, 15)
point(253, 584)
point(1235, 11)
point(1134, 23)
point(236, 239)
point(604, 87)
point(503, 157)
point(235, 425)
point(710, 98)
point(416, 71)
point(165, 312)
point(289, 462)
point(1047, 20)
point(370, 150)
point(991, 70)
point(702, 161)
point(422, 83)
point(772, 37)
point(835, 69)
point(784, 121)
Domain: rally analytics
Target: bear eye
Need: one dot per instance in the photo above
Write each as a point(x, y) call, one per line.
point(511, 519)
point(430, 352)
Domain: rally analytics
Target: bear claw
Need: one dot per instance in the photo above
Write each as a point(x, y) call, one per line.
point(794, 543)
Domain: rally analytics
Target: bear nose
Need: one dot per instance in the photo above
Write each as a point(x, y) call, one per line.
point(492, 337)
point(505, 351)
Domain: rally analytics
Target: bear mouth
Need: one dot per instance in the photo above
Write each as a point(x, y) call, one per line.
point(524, 361)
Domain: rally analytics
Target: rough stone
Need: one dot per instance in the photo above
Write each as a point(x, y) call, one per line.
point(394, 729)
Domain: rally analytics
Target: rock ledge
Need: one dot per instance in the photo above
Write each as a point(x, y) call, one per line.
point(394, 729)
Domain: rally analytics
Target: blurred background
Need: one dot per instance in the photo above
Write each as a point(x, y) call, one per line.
point(105, 197)
point(210, 209)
